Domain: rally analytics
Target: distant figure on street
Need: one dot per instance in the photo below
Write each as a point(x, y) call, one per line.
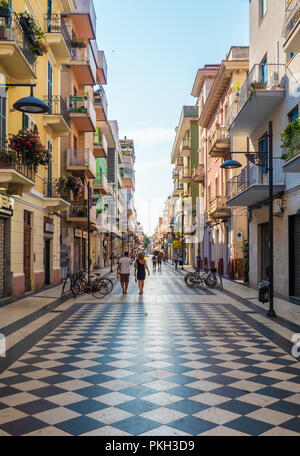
point(159, 258)
point(140, 271)
point(154, 261)
point(177, 259)
point(124, 270)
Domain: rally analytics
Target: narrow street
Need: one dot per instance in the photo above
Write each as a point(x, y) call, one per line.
point(172, 362)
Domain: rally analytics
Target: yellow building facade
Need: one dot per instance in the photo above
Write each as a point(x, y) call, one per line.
point(46, 43)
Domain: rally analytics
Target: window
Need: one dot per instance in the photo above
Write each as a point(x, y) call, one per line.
point(263, 6)
point(25, 121)
point(264, 71)
point(294, 114)
point(2, 119)
point(50, 85)
point(263, 147)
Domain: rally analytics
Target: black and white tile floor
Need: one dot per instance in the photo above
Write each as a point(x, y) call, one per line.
point(127, 366)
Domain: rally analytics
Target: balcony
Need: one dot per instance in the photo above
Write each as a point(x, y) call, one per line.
point(178, 189)
point(84, 19)
point(262, 92)
point(15, 50)
point(175, 174)
point(218, 208)
point(251, 187)
point(101, 105)
point(100, 145)
point(185, 148)
point(82, 114)
point(101, 184)
point(292, 165)
point(83, 65)
point(102, 67)
point(219, 143)
point(198, 174)
point(58, 118)
point(291, 29)
point(77, 212)
point(185, 176)
point(58, 38)
point(81, 161)
point(15, 177)
point(179, 163)
point(53, 200)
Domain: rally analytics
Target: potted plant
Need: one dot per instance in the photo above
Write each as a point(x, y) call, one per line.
point(78, 44)
point(34, 34)
point(67, 184)
point(27, 145)
point(5, 10)
point(290, 139)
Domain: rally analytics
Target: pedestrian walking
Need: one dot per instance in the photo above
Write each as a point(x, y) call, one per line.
point(140, 271)
point(176, 261)
point(159, 258)
point(154, 261)
point(124, 270)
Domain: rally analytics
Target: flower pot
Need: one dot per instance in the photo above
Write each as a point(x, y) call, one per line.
point(27, 29)
point(5, 12)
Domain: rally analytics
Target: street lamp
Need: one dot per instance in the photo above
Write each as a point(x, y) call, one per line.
point(259, 159)
point(31, 104)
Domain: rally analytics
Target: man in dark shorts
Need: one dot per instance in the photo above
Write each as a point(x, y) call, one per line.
point(124, 270)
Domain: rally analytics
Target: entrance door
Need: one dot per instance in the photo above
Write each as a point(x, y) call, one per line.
point(27, 250)
point(84, 265)
point(265, 249)
point(47, 261)
point(77, 265)
point(295, 254)
point(2, 228)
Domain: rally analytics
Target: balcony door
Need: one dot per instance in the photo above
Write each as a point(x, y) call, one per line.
point(49, 14)
point(50, 171)
point(50, 86)
point(2, 120)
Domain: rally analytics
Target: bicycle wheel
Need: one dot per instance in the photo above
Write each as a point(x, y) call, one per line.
point(77, 289)
point(109, 283)
point(66, 289)
point(99, 289)
point(192, 281)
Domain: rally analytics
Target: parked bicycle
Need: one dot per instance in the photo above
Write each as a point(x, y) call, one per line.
point(208, 277)
point(79, 283)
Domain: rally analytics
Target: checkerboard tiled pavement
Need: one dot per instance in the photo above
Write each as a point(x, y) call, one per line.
point(138, 368)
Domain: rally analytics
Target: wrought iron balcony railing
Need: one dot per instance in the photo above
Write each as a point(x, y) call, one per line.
point(55, 23)
point(58, 106)
point(292, 16)
point(11, 30)
point(15, 161)
point(262, 78)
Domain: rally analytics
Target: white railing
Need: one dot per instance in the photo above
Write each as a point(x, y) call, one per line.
point(254, 175)
point(262, 77)
point(292, 16)
point(81, 157)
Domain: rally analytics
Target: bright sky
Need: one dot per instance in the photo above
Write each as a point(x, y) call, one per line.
point(153, 50)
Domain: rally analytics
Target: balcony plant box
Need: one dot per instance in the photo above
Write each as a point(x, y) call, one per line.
point(26, 144)
point(27, 29)
point(5, 10)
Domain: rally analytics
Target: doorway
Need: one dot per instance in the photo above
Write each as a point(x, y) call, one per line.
point(84, 265)
point(265, 249)
point(77, 265)
point(27, 250)
point(294, 237)
point(47, 261)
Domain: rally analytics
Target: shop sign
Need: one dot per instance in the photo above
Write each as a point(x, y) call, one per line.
point(78, 233)
point(49, 228)
point(177, 245)
point(6, 205)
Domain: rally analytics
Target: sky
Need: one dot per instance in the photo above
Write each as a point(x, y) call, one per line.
point(153, 51)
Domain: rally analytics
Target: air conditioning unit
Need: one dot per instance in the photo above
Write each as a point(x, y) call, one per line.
point(275, 79)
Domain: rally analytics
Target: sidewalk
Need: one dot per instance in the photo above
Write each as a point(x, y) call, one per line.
point(20, 317)
point(245, 299)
